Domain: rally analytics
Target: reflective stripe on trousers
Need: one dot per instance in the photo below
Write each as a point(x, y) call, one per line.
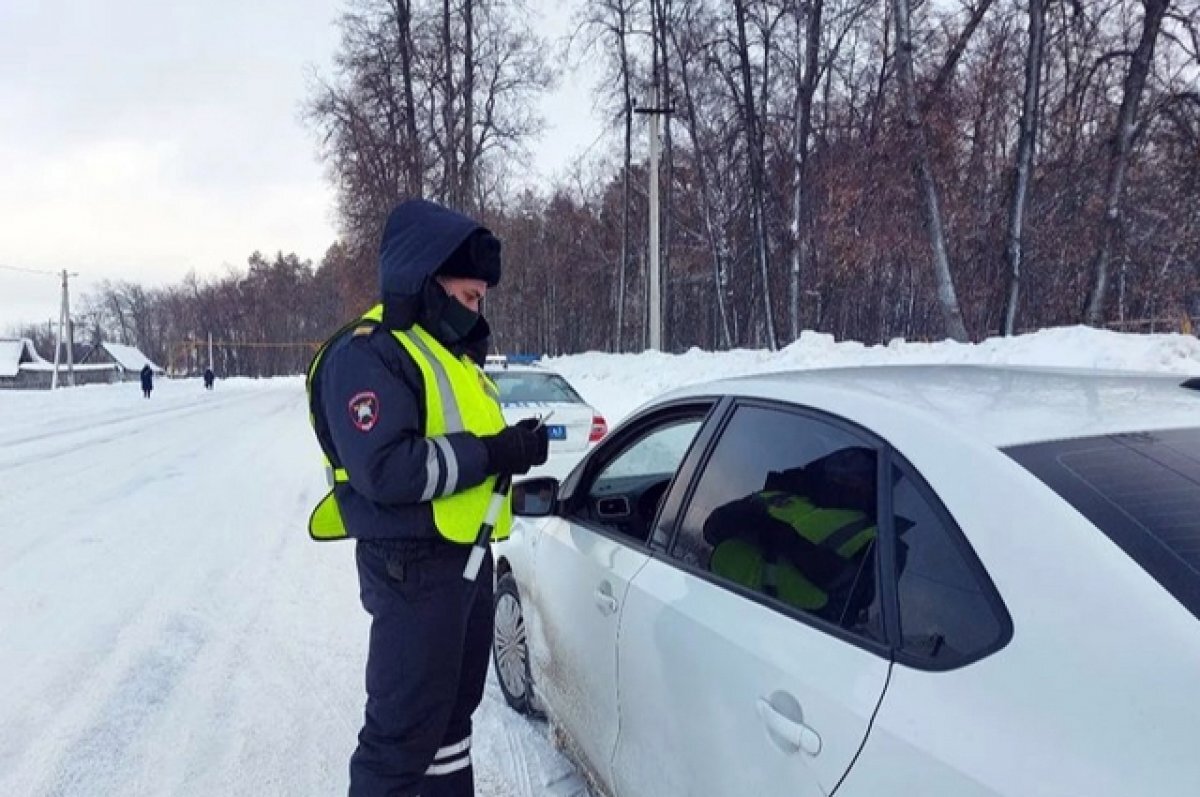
point(450, 759)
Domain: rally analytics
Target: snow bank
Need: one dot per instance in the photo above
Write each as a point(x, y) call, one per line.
point(618, 383)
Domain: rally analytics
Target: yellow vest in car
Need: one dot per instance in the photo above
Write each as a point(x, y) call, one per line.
point(845, 532)
point(459, 397)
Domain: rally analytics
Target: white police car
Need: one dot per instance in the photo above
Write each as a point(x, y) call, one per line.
point(529, 390)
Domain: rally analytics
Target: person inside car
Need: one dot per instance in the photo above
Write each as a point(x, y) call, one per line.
point(805, 536)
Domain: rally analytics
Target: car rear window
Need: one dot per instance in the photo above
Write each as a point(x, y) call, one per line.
point(526, 388)
point(1142, 490)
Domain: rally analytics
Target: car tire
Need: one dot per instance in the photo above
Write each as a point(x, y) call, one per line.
point(510, 646)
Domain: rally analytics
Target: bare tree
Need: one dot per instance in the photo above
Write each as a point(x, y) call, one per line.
point(807, 16)
point(1023, 171)
point(469, 194)
point(714, 234)
point(1121, 146)
point(452, 186)
point(755, 156)
point(402, 15)
point(609, 27)
point(923, 166)
point(428, 99)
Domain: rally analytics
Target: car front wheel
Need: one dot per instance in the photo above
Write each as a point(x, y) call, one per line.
point(510, 647)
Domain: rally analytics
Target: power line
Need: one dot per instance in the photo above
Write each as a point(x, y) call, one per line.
point(310, 344)
point(31, 270)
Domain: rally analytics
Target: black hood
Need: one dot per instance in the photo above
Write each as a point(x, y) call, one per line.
point(417, 240)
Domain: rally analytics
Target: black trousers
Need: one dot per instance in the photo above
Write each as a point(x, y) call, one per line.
point(431, 632)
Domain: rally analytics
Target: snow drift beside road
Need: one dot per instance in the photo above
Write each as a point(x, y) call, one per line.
point(617, 384)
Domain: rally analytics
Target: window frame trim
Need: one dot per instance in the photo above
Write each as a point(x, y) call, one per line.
point(633, 429)
point(967, 555)
point(883, 649)
point(886, 457)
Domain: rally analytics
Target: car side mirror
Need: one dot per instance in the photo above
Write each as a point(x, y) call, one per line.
point(535, 497)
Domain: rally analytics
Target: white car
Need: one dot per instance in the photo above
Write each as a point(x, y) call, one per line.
point(957, 581)
point(528, 391)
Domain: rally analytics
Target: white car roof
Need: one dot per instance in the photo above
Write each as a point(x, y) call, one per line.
point(498, 368)
point(997, 405)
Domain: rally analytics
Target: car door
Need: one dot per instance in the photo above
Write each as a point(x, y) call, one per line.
point(583, 563)
point(727, 686)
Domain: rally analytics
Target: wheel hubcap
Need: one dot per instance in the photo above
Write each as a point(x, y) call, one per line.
point(511, 650)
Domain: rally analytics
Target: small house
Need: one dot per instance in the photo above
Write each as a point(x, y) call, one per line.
point(126, 361)
point(20, 366)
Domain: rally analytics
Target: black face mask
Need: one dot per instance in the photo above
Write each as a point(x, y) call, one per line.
point(445, 317)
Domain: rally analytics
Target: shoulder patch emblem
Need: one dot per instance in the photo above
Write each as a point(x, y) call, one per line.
point(364, 410)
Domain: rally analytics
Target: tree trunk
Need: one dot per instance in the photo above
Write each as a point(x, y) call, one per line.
point(1026, 145)
point(806, 87)
point(468, 100)
point(1121, 146)
point(923, 166)
point(414, 182)
point(754, 143)
point(450, 147)
point(715, 247)
point(946, 72)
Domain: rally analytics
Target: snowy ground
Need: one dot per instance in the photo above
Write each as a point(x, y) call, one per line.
point(167, 627)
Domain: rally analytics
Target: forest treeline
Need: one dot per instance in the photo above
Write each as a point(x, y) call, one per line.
point(867, 168)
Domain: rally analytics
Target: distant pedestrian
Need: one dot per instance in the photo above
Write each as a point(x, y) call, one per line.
point(147, 380)
point(209, 378)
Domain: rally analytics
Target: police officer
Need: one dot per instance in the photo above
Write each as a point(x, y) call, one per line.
point(415, 439)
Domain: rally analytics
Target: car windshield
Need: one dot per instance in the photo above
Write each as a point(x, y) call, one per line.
point(524, 387)
point(1142, 490)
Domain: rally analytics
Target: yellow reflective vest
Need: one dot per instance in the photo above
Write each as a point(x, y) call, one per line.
point(459, 397)
point(844, 532)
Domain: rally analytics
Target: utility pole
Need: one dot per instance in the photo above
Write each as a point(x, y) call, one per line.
point(64, 325)
point(655, 281)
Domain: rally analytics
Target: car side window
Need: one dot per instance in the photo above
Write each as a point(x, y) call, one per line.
point(625, 494)
point(949, 613)
point(787, 508)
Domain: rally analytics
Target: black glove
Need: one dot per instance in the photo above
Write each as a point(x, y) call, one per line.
point(518, 448)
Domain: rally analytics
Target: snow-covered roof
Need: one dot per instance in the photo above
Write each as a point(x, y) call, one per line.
point(129, 357)
point(13, 352)
point(45, 366)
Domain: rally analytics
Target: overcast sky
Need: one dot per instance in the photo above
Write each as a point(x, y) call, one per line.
point(141, 139)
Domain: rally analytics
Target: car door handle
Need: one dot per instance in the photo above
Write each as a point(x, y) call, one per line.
point(788, 734)
point(605, 601)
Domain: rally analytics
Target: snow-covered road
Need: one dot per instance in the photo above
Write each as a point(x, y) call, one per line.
point(167, 627)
